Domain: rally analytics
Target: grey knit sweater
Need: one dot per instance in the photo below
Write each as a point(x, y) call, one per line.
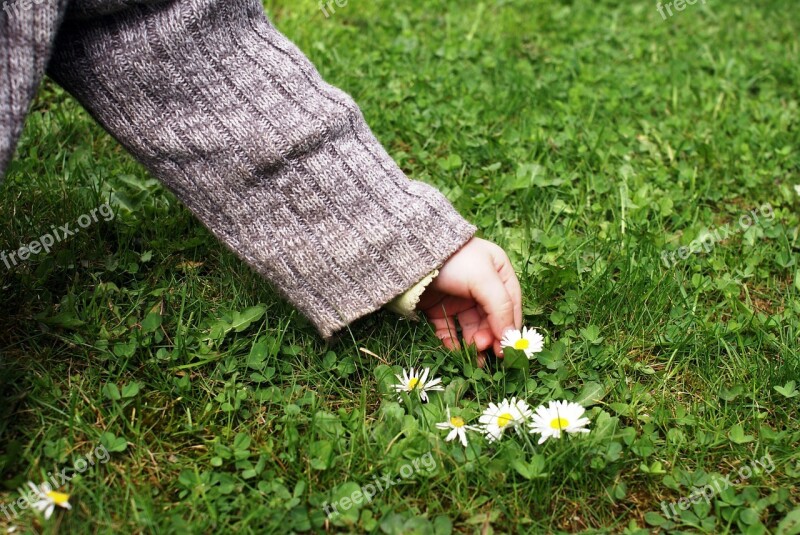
point(235, 120)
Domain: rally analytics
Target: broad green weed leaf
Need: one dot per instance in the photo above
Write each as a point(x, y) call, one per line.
point(788, 390)
point(242, 320)
point(591, 394)
point(738, 436)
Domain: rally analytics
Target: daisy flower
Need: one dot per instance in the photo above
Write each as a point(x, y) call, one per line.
point(497, 418)
point(414, 380)
point(47, 499)
point(527, 340)
point(458, 428)
point(559, 416)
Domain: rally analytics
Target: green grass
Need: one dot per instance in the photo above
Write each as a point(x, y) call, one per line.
point(585, 138)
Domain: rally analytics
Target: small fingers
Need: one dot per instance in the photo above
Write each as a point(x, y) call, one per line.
point(498, 350)
point(491, 294)
point(445, 330)
point(475, 329)
point(470, 321)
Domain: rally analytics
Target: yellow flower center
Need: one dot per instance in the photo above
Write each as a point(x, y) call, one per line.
point(559, 423)
point(412, 384)
point(504, 419)
point(58, 497)
point(522, 343)
point(457, 421)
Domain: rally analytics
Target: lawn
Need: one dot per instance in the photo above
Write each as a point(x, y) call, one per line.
point(641, 170)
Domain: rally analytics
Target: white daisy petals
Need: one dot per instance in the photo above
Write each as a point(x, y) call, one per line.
point(412, 380)
point(548, 421)
point(48, 499)
point(528, 341)
point(508, 414)
point(557, 418)
point(458, 428)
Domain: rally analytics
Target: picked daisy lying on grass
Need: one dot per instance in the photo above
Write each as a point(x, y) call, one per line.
point(48, 499)
point(412, 380)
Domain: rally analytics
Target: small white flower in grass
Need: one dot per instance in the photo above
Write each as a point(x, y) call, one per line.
point(797, 189)
point(47, 499)
point(458, 428)
point(558, 417)
point(414, 380)
point(527, 340)
point(497, 418)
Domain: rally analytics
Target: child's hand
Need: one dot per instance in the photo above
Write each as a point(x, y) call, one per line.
point(478, 286)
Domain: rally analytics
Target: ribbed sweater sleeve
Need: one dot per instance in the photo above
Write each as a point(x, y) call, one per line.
point(279, 165)
point(27, 31)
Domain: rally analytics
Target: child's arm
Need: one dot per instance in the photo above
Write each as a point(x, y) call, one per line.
point(278, 164)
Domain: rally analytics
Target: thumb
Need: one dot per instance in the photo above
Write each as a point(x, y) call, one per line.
point(491, 294)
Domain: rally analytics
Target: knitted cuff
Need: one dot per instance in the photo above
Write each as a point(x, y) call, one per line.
point(279, 165)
